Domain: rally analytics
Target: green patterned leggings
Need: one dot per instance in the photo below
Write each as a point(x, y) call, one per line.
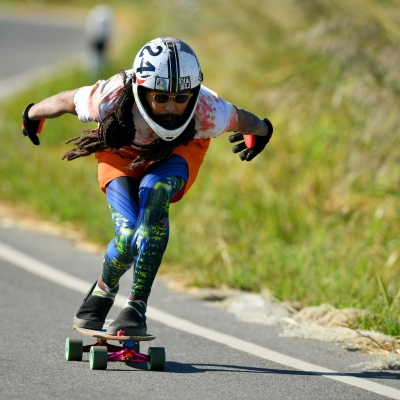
point(139, 210)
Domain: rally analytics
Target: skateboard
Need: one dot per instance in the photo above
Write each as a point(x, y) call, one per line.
point(101, 352)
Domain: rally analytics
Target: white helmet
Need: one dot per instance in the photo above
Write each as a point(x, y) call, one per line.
point(170, 65)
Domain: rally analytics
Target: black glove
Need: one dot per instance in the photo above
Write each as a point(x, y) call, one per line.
point(31, 128)
point(252, 144)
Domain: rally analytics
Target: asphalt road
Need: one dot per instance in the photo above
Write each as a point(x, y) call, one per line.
point(30, 48)
point(229, 360)
point(29, 44)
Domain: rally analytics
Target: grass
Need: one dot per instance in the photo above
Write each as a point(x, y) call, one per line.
point(315, 219)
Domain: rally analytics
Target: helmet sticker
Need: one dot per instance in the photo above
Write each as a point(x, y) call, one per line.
point(161, 84)
point(184, 83)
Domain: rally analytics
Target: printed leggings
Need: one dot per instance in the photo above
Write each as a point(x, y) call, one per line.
point(139, 210)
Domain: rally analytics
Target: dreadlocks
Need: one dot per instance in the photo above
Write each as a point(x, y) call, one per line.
point(117, 130)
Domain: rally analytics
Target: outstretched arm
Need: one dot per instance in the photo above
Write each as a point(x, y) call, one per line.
point(34, 115)
point(250, 124)
point(54, 106)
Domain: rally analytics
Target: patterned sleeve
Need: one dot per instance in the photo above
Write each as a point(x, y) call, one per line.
point(213, 115)
point(93, 103)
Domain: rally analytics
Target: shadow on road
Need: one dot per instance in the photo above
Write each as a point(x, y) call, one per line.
point(176, 367)
point(181, 368)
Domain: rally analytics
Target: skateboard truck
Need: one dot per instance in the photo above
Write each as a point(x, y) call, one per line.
point(129, 351)
point(101, 352)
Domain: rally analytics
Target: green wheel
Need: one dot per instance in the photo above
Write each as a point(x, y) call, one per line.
point(157, 359)
point(136, 347)
point(73, 349)
point(98, 357)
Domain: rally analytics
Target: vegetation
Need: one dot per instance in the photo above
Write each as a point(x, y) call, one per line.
point(314, 219)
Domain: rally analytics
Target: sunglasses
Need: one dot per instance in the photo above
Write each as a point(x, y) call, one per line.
point(164, 98)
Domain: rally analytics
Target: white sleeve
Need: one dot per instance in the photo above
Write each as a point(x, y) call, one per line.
point(93, 103)
point(213, 114)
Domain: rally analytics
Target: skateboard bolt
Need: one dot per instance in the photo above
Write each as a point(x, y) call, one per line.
point(121, 333)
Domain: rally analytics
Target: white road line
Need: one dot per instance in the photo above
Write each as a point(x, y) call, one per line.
point(50, 273)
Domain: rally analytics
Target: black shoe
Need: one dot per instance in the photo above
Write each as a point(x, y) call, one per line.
point(93, 311)
point(131, 319)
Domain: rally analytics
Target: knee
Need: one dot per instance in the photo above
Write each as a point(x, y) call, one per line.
point(161, 189)
point(159, 198)
point(120, 249)
point(156, 207)
point(124, 239)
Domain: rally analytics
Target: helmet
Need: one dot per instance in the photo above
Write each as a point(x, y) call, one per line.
point(170, 65)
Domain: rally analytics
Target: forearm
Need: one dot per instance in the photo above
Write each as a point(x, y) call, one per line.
point(250, 124)
point(54, 106)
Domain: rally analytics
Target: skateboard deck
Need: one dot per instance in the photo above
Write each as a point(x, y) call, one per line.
point(102, 351)
point(103, 334)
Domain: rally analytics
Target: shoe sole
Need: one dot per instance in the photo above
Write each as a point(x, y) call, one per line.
point(86, 324)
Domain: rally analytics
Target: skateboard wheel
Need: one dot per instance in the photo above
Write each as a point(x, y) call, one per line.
point(73, 349)
point(157, 359)
point(98, 357)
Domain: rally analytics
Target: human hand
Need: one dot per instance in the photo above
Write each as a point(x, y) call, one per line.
point(252, 145)
point(31, 128)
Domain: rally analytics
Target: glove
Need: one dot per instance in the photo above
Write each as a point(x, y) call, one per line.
point(31, 128)
point(252, 144)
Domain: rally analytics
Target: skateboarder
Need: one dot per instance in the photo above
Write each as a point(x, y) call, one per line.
point(155, 123)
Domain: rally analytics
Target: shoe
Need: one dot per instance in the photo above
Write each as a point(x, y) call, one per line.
point(131, 319)
point(93, 311)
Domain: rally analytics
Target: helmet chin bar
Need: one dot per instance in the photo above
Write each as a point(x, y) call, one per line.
point(165, 133)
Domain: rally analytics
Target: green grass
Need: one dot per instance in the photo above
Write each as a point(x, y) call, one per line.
point(316, 218)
